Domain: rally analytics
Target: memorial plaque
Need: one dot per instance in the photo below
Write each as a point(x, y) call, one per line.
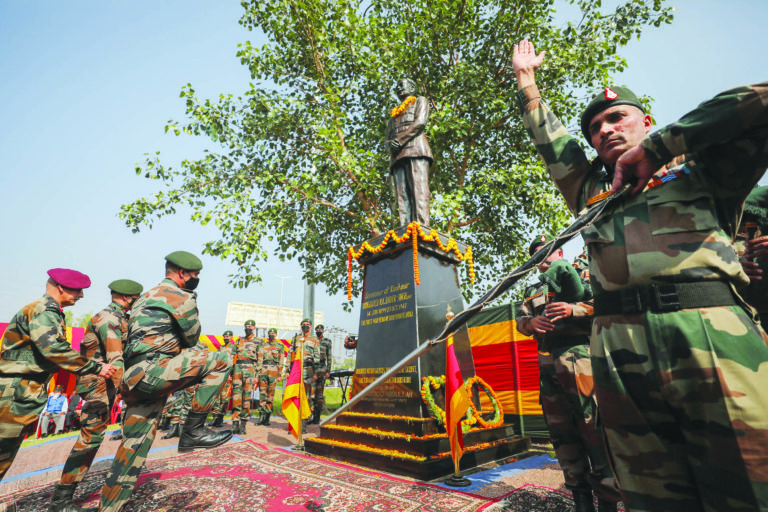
point(397, 315)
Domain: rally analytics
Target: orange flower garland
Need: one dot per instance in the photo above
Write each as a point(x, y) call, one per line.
point(498, 412)
point(404, 105)
point(414, 231)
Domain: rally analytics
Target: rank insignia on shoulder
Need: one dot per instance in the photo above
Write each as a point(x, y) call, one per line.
point(609, 94)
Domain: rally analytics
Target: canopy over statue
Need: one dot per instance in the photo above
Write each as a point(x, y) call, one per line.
point(410, 155)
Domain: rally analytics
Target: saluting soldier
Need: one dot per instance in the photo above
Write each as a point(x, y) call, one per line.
point(557, 312)
point(270, 364)
point(680, 365)
point(220, 406)
point(311, 350)
point(33, 348)
point(247, 351)
point(323, 365)
point(105, 337)
point(164, 321)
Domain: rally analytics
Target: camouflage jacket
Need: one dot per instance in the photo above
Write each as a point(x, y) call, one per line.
point(35, 343)
point(165, 320)
point(271, 353)
point(560, 283)
point(324, 356)
point(311, 350)
point(680, 230)
point(104, 340)
point(247, 350)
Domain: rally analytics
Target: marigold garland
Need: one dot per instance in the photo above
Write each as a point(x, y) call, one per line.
point(413, 232)
point(404, 105)
point(430, 383)
point(498, 411)
point(473, 415)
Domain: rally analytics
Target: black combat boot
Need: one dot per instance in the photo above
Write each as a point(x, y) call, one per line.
point(243, 423)
point(606, 506)
point(174, 432)
point(218, 420)
point(165, 423)
point(582, 501)
point(62, 500)
point(316, 416)
point(260, 421)
point(195, 435)
point(235, 426)
point(266, 418)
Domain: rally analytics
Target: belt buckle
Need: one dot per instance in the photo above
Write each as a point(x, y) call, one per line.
point(666, 297)
point(630, 302)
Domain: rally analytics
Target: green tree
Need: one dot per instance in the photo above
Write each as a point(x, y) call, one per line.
point(80, 321)
point(300, 160)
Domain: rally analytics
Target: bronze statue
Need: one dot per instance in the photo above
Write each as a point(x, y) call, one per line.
point(410, 155)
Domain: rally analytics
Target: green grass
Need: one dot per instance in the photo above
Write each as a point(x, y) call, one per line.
point(332, 400)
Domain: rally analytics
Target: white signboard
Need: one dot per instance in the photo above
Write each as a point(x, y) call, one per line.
point(283, 319)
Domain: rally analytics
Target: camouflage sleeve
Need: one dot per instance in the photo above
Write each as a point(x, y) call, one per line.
point(47, 333)
point(329, 358)
point(188, 319)
point(110, 331)
point(729, 132)
point(523, 318)
point(566, 161)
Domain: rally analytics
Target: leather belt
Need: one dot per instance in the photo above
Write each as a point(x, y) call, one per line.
point(140, 358)
point(664, 298)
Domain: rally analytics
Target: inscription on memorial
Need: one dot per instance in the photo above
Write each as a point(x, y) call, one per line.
point(387, 305)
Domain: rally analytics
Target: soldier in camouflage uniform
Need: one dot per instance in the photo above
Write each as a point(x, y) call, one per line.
point(557, 313)
point(243, 379)
point(270, 363)
point(323, 365)
point(164, 322)
point(752, 247)
point(33, 348)
point(104, 339)
point(220, 406)
point(311, 351)
point(179, 410)
point(680, 364)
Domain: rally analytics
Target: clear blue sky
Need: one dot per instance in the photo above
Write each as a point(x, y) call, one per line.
point(88, 86)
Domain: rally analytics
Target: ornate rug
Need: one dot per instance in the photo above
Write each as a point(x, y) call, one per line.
point(248, 476)
point(534, 498)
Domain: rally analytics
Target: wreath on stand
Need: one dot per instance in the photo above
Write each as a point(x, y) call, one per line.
point(473, 416)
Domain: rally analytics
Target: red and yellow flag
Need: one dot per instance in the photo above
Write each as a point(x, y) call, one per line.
point(295, 405)
point(456, 401)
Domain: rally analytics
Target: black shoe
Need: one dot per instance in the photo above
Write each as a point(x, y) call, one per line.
point(165, 423)
point(175, 432)
point(235, 426)
point(243, 423)
point(62, 500)
point(583, 501)
point(606, 506)
point(117, 436)
point(266, 419)
point(316, 417)
point(218, 420)
point(196, 436)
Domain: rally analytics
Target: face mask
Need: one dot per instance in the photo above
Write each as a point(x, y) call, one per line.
point(318, 333)
point(271, 337)
point(191, 283)
point(248, 332)
point(305, 328)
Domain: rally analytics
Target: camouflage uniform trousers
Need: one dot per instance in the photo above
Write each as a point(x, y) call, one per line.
point(94, 419)
point(182, 405)
point(220, 405)
point(145, 401)
point(22, 399)
point(683, 404)
point(267, 384)
point(567, 399)
point(318, 391)
point(242, 384)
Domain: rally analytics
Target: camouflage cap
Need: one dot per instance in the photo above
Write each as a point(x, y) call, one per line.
point(185, 260)
point(69, 278)
point(272, 330)
point(126, 287)
point(611, 96)
point(250, 322)
point(539, 240)
point(227, 333)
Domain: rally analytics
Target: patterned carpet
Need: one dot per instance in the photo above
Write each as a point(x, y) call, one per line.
point(531, 498)
point(248, 476)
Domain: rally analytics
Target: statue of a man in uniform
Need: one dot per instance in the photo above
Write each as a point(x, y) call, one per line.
point(410, 155)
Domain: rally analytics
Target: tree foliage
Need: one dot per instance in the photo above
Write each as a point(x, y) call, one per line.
point(300, 163)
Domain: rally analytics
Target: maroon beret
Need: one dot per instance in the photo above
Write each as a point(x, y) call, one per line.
point(70, 278)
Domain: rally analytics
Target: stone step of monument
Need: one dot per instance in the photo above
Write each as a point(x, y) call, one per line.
point(400, 424)
point(429, 445)
point(412, 465)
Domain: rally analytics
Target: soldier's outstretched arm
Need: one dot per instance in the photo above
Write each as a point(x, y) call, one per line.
point(730, 131)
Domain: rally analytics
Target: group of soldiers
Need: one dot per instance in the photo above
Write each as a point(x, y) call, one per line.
point(144, 346)
point(654, 375)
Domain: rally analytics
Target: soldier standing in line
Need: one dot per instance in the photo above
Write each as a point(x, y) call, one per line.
point(105, 336)
point(270, 365)
point(247, 352)
point(311, 349)
point(164, 321)
point(178, 410)
point(680, 363)
point(220, 406)
point(33, 348)
point(323, 365)
point(557, 312)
